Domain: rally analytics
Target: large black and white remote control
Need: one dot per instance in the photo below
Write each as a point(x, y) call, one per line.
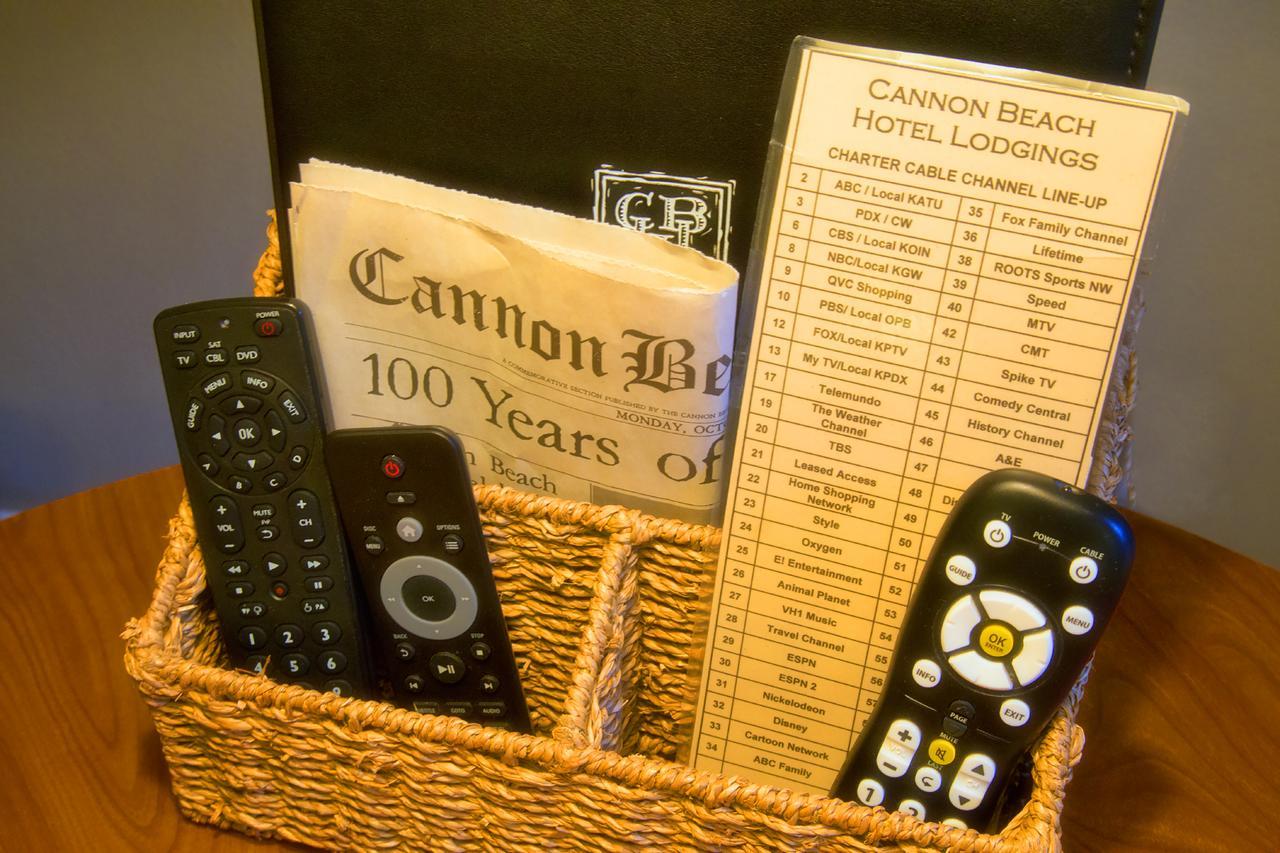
point(1022, 581)
point(405, 497)
point(242, 391)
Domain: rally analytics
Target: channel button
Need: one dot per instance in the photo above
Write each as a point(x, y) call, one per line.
point(971, 783)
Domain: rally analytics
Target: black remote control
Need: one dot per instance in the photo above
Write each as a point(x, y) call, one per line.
point(1022, 581)
point(246, 412)
point(405, 497)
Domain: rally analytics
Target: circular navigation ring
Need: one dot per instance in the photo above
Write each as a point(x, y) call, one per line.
point(418, 576)
point(999, 642)
point(237, 435)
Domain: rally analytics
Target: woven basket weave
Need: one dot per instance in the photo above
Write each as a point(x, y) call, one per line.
point(600, 604)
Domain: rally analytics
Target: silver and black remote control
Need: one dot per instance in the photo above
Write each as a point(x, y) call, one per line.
point(242, 392)
point(405, 497)
point(1022, 581)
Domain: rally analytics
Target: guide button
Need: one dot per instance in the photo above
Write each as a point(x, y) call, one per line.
point(960, 570)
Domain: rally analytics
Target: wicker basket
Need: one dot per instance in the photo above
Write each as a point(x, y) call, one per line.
point(599, 603)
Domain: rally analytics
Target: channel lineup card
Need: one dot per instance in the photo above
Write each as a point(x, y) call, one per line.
point(949, 257)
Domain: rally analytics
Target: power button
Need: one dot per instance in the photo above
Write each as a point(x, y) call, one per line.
point(393, 466)
point(268, 327)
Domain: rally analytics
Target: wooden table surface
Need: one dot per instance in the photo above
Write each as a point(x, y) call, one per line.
point(1180, 712)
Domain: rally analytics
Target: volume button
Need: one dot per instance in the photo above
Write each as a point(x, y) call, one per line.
point(227, 527)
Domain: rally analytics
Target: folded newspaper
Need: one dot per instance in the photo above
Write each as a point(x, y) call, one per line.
point(575, 359)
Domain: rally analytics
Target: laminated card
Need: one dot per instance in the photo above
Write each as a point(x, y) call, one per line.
point(939, 285)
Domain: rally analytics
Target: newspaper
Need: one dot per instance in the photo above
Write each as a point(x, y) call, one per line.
point(574, 359)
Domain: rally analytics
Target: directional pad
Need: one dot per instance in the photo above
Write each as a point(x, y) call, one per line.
point(238, 426)
point(997, 640)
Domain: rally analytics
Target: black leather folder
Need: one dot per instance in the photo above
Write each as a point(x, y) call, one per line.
point(656, 113)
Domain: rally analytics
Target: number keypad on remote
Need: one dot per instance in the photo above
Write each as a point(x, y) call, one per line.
point(1021, 582)
point(247, 419)
point(407, 505)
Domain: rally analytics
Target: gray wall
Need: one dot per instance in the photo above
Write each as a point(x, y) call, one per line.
point(133, 176)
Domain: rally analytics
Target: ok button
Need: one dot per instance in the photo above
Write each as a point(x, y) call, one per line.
point(996, 640)
point(428, 597)
point(247, 433)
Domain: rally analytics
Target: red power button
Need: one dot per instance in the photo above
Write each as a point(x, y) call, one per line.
point(268, 327)
point(393, 466)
